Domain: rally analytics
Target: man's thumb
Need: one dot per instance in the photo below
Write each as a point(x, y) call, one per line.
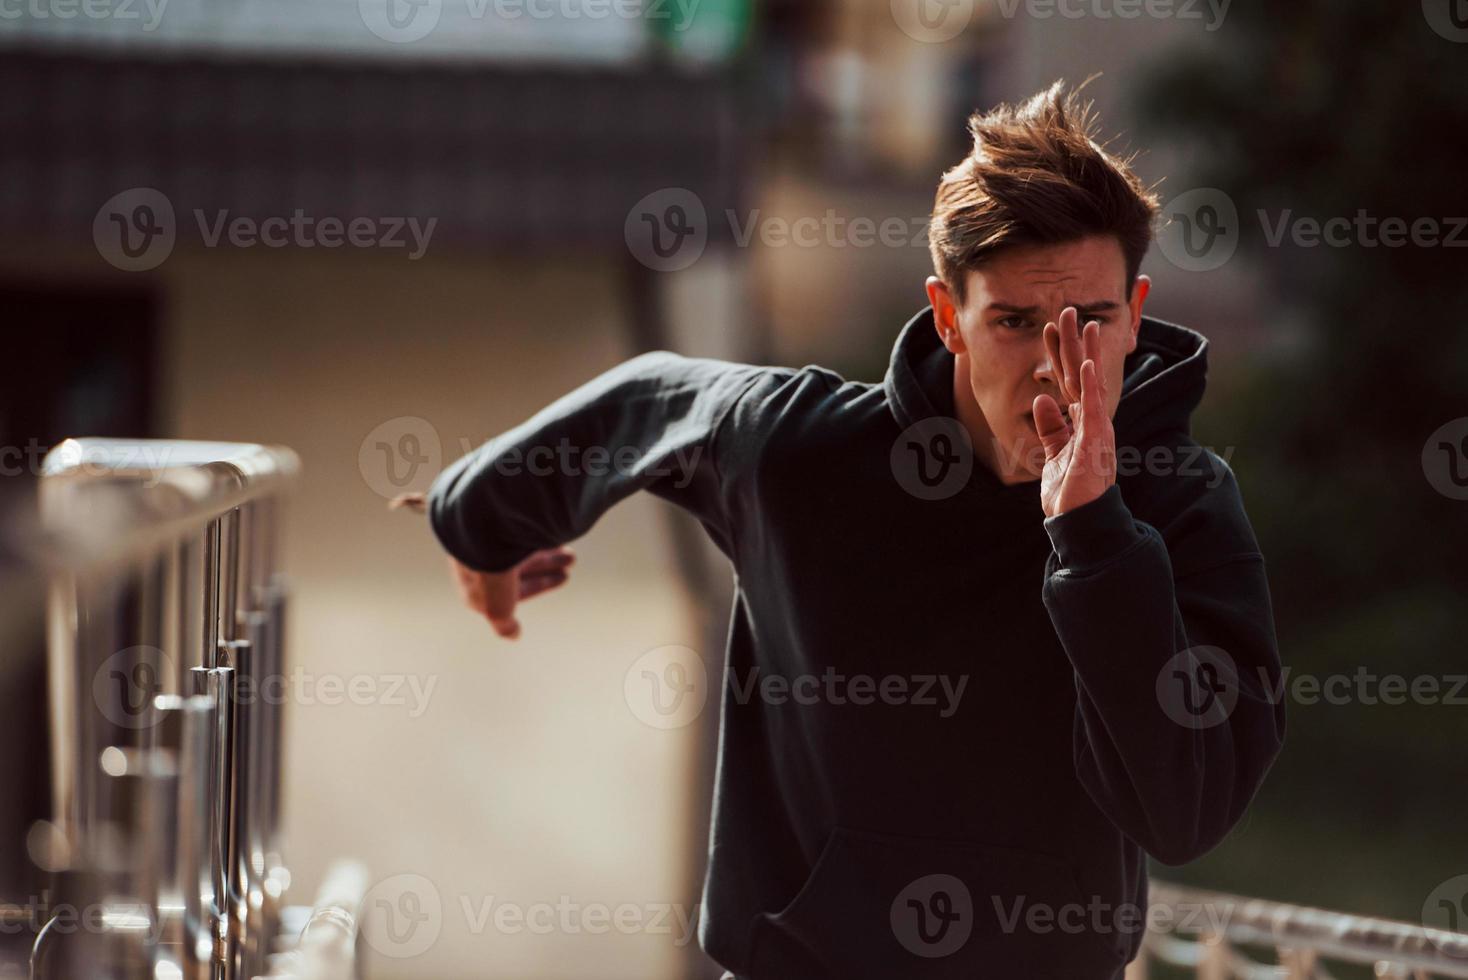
point(1051, 425)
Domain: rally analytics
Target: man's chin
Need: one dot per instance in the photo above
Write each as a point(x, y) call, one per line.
point(1018, 456)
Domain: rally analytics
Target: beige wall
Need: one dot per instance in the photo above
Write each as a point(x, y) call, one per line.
point(527, 777)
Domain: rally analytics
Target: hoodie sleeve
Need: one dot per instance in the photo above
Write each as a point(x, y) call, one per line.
point(649, 423)
point(1172, 641)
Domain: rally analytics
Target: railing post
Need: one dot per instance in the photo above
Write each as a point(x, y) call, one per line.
point(1215, 962)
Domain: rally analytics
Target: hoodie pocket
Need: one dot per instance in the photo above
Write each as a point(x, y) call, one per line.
point(881, 905)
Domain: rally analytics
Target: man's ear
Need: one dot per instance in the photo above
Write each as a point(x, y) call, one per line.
point(1140, 289)
point(945, 315)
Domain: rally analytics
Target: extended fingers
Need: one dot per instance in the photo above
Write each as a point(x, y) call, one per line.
point(1092, 405)
point(533, 585)
point(1070, 353)
point(1052, 351)
point(1092, 344)
point(550, 560)
point(1067, 350)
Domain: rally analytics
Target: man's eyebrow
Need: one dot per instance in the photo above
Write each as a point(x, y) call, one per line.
point(1099, 306)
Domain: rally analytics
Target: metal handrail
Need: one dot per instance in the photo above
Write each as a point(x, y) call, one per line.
point(1300, 934)
point(105, 500)
point(162, 560)
point(331, 931)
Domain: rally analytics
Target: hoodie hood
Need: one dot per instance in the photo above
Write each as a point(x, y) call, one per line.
point(1162, 380)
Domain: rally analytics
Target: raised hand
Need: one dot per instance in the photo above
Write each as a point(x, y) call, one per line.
point(1080, 451)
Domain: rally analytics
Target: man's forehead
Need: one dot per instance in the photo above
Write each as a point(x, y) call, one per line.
point(1079, 272)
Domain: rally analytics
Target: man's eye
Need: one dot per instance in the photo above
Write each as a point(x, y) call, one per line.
point(1013, 322)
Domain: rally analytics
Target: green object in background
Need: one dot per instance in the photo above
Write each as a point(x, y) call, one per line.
point(701, 32)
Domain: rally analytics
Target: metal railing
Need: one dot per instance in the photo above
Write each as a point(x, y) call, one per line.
point(165, 649)
point(1302, 938)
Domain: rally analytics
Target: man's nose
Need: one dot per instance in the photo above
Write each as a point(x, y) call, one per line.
point(1046, 374)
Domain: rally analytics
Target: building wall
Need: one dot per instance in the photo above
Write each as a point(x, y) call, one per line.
point(527, 777)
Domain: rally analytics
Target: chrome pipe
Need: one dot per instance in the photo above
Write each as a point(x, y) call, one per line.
point(246, 885)
point(188, 729)
point(217, 684)
point(166, 633)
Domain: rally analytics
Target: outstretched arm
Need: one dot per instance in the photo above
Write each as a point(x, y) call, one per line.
point(505, 511)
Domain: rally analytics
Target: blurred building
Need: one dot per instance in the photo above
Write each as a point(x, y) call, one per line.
point(508, 147)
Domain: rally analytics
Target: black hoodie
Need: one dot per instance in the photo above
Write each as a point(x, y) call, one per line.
point(951, 727)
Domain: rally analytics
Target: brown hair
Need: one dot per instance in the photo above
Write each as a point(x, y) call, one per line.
point(1037, 176)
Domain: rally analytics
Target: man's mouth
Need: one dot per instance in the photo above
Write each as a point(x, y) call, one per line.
point(1029, 416)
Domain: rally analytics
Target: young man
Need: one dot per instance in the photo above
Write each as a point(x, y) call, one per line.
point(1052, 592)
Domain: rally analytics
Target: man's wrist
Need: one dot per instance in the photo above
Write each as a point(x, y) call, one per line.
point(1093, 532)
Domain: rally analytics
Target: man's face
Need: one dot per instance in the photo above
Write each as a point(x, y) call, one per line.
point(997, 338)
